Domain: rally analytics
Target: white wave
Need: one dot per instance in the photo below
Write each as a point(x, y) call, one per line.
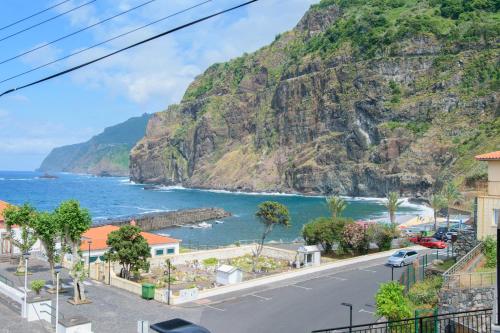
point(2, 178)
point(19, 179)
point(424, 209)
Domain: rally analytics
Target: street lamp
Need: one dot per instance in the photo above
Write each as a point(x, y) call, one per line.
point(26, 255)
point(57, 269)
point(90, 242)
point(169, 264)
point(350, 315)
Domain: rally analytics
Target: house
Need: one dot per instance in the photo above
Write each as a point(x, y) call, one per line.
point(488, 204)
point(94, 243)
point(227, 274)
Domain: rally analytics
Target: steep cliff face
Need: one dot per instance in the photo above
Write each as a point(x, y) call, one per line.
point(362, 97)
point(104, 154)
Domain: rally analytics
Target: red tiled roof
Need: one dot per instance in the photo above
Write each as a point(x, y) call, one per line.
point(495, 155)
point(3, 205)
point(99, 236)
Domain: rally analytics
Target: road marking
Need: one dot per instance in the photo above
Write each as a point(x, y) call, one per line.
point(213, 307)
point(363, 310)
point(367, 270)
point(302, 287)
point(337, 278)
point(262, 297)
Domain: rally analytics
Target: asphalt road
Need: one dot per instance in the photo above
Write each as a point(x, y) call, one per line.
point(295, 305)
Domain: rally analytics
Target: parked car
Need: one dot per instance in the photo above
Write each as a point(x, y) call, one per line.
point(429, 242)
point(402, 257)
point(178, 325)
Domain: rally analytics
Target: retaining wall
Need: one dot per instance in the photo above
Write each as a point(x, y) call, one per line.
point(455, 300)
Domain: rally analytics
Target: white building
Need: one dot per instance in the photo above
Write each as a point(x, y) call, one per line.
point(309, 255)
point(94, 243)
point(6, 247)
point(227, 274)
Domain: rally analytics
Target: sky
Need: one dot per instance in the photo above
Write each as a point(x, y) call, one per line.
point(74, 107)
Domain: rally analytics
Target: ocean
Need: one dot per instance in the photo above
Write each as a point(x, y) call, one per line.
point(114, 197)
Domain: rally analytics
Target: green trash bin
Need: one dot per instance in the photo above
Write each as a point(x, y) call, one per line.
point(148, 291)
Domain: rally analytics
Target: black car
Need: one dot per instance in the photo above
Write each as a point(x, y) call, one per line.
point(178, 325)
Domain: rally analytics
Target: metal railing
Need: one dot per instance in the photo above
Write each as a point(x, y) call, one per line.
point(476, 321)
point(464, 261)
point(470, 280)
point(8, 282)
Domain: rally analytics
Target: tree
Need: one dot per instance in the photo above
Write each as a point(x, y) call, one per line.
point(336, 205)
point(47, 230)
point(24, 218)
point(392, 205)
point(391, 303)
point(451, 194)
point(355, 237)
point(382, 235)
point(129, 248)
point(324, 231)
point(270, 213)
point(438, 202)
point(73, 221)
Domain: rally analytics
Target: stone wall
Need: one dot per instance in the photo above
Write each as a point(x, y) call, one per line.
point(157, 221)
point(454, 300)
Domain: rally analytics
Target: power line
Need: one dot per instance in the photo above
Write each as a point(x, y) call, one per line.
point(130, 47)
point(76, 32)
point(104, 42)
point(33, 15)
point(47, 20)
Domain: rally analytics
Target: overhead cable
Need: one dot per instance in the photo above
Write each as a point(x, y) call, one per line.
point(76, 32)
point(47, 20)
point(104, 42)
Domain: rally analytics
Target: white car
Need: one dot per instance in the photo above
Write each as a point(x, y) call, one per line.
point(402, 257)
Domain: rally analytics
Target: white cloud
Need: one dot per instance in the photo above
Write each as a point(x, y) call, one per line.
point(164, 68)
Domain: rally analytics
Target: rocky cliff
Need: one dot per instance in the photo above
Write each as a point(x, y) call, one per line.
point(362, 97)
point(105, 154)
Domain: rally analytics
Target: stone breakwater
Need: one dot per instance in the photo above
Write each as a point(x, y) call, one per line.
point(162, 220)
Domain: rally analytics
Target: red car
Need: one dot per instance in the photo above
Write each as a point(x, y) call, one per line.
point(429, 242)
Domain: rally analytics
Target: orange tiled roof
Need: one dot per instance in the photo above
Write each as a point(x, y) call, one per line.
point(3, 205)
point(495, 155)
point(99, 236)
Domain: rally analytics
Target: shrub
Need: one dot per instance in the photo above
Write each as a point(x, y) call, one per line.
point(425, 292)
point(490, 252)
point(210, 262)
point(391, 302)
point(382, 235)
point(354, 238)
point(324, 231)
point(37, 285)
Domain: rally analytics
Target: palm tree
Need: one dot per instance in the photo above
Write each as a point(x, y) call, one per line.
point(336, 205)
point(451, 194)
point(392, 205)
point(438, 202)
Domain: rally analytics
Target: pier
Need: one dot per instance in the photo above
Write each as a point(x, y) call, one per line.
point(163, 220)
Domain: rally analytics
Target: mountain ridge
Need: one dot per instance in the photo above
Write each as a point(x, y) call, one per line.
point(360, 98)
point(105, 154)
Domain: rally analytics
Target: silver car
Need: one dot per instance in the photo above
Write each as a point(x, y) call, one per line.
point(402, 257)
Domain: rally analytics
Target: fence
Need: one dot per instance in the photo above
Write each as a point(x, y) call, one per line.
point(416, 272)
point(470, 280)
point(476, 321)
point(463, 262)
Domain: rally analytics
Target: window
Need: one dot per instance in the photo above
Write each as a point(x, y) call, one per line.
point(170, 251)
point(496, 216)
point(159, 252)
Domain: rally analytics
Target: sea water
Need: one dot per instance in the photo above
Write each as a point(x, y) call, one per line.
point(114, 197)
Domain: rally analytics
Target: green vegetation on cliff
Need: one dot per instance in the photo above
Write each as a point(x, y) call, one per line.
point(105, 154)
point(363, 97)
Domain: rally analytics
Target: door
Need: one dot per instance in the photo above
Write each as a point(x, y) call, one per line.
point(5, 245)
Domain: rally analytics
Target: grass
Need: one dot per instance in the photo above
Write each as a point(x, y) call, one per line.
point(446, 264)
